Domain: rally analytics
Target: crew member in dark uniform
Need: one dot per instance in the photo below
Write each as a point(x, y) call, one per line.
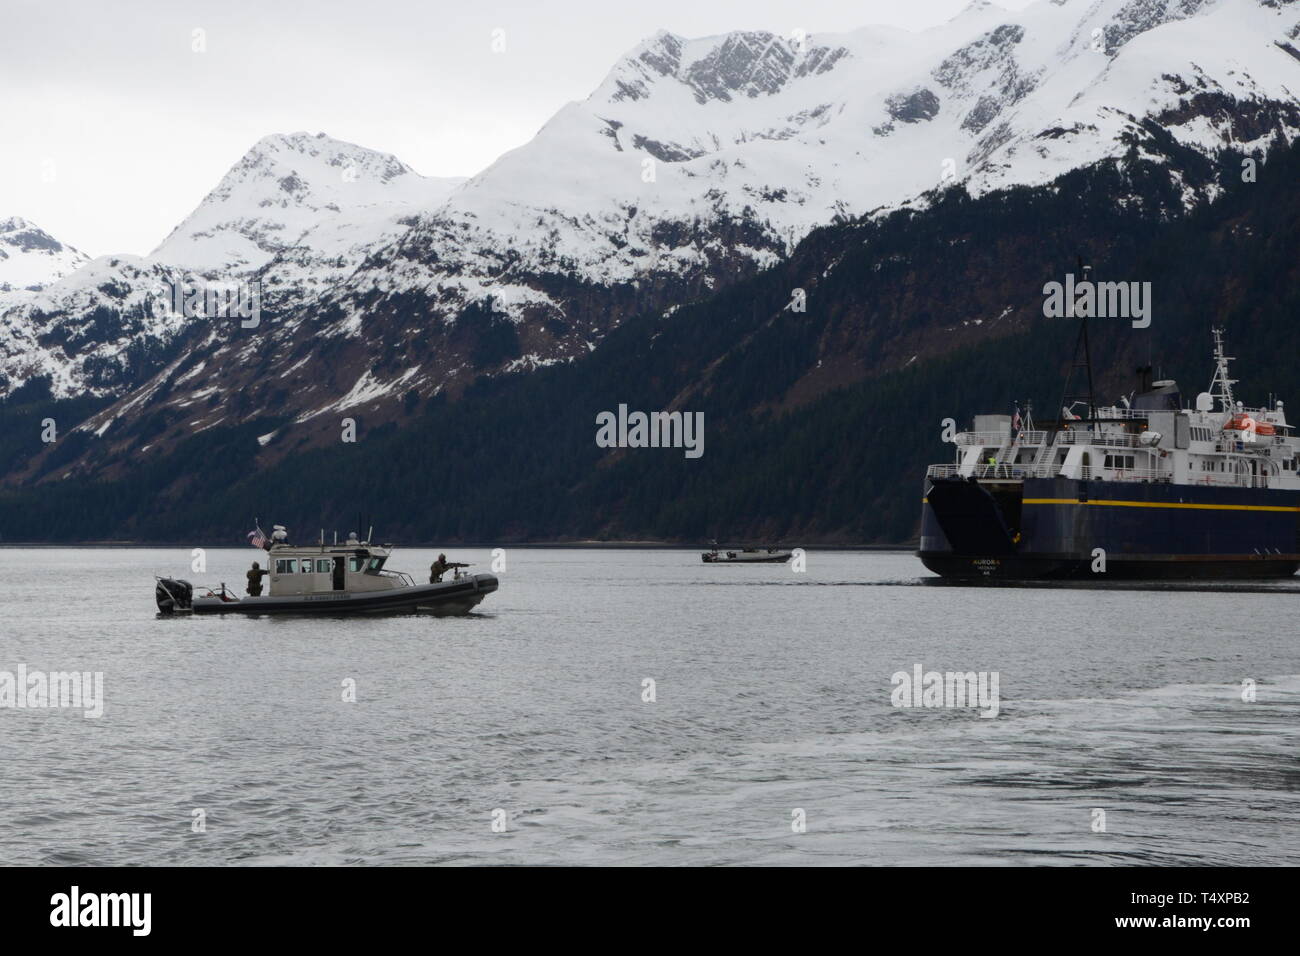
point(438, 569)
point(255, 575)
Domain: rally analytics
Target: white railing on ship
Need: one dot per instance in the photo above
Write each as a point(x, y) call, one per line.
point(1133, 474)
point(1118, 411)
point(991, 439)
point(1035, 438)
point(1237, 446)
point(1008, 472)
point(1014, 472)
point(1101, 441)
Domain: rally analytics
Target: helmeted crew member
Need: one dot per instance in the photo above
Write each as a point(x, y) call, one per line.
point(441, 567)
point(255, 575)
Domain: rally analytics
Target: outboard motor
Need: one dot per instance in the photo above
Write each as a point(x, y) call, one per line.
point(173, 595)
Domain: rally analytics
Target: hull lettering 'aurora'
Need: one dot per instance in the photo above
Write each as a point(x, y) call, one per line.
point(1146, 489)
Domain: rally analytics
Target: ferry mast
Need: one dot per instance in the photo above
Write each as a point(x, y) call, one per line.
point(1080, 345)
point(1221, 384)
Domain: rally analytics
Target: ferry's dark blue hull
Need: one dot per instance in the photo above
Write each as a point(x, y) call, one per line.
point(1053, 527)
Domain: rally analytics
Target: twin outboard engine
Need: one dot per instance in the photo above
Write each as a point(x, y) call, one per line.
point(173, 595)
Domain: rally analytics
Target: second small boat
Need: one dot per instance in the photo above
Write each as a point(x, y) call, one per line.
point(746, 556)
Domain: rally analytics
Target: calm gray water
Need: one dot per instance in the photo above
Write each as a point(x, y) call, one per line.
point(773, 694)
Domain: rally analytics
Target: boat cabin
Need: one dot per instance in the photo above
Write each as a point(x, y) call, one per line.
point(320, 569)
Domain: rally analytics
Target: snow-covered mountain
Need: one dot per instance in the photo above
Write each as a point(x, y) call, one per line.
point(296, 207)
point(31, 258)
point(785, 134)
point(699, 160)
point(695, 162)
point(295, 213)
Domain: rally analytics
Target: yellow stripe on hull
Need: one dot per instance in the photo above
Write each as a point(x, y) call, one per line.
point(1157, 504)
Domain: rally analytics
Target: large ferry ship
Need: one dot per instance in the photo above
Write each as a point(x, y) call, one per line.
point(1144, 489)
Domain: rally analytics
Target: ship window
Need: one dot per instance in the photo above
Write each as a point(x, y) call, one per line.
point(376, 563)
point(324, 566)
point(286, 565)
point(354, 563)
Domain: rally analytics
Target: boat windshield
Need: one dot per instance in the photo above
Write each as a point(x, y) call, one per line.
point(376, 564)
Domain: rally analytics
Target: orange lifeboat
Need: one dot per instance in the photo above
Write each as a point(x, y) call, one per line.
point(1244, 423)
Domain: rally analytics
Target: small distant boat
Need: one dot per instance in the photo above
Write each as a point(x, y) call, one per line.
point(331, 579)
point(746, 556)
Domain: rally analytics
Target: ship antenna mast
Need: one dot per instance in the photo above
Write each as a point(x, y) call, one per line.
point(1080, 345)
point(1221, 384)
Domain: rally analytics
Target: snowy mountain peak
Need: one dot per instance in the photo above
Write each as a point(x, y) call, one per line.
point(285, 186)
point(978, 7)
point(30, 258)
point(24, 234)
point(716, 69)
point(299, 156)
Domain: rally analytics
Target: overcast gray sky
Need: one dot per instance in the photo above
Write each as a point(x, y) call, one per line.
point(114, 127)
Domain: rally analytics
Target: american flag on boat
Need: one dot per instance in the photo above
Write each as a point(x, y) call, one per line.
point(257, 538)
point(1015, 420)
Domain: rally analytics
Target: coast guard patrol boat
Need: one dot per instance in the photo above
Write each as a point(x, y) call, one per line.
point(1143, 489)
point(330, 579)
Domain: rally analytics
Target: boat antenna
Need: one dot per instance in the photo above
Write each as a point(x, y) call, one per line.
point(1221, 384)
point(1080, 346)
